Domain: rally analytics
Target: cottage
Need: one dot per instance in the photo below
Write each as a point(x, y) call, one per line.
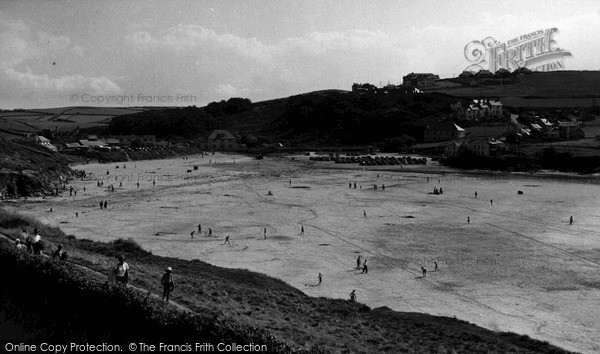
point(570, 130)
point(40, 140)
point(466, 75)
point(420, 80)
point(484, 74)
point(454, 149)
point(485, 147)
point(443, 131)
point(222, 140)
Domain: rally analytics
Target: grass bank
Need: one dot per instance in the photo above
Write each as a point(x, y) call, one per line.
point(229, 303)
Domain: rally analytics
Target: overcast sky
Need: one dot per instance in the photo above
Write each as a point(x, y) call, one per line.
point(58, 53)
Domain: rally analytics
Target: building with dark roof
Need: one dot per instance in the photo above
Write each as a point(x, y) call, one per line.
point(222, 140)
point(443, 131)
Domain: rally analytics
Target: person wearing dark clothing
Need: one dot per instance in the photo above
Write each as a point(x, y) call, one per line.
point(167, 283)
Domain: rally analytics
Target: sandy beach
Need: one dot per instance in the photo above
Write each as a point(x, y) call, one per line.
point(517, 265)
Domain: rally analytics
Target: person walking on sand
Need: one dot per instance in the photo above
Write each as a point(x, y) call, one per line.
point(105, 204)
point(353, 296)
point(320, 277)
point(571, 220)
point(209, 232)
point(424, 271)
point(302, 230)
point(475, 194)
point(167, 283)
point(122, 271)
point(265, 232)
point(358, 262)
point(199, 229)
point(354, 185)
point(192, 234)
point(227, 240)
point(365, 268)
point(491, 202)
point(468, 219)
point(365, 213)
point(435, 267)
point(101, 204)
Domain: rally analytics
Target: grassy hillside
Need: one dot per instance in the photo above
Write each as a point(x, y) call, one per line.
point(27, 169)
point(245, 299)
point(557, 84)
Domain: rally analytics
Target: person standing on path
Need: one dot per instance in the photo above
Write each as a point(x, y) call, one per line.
point(265, 232)
point(101, 204)
point(353, 296)
point(358, 262)
point(365, 268)
point(491, 202)
point(468, 220)
point(424, 270)
point(365, 213)
point(167, 283)
point(320, 277)
point(435, 267)
point(105, 204)
point(209, 232)
point(571, 220)
point(122, 271)
point(301, 230)
point(199, 229)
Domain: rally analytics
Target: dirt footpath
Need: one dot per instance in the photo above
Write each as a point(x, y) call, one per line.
point(517, 265)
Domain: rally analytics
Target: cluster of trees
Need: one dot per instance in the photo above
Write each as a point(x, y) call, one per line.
point(359, 119)
point(184, 122)
point(233, 105)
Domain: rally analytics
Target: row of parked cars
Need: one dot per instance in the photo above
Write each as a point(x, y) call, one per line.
point(373, 160)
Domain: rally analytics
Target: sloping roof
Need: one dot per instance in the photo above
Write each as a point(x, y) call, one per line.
point(446, 126)
point(567, 124)
point(536, 126)
point(495, 103)
point(86, 142)
point(73, 145)
point(42, 139)
point(220, 134)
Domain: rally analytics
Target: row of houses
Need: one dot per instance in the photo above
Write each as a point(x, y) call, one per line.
point(221, 140)
point(483, 147)
point(420, 80)
point(565, 130)
point(486, 74)
point(477, 109)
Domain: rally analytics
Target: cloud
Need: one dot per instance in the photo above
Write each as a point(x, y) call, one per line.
point(194, 56)
point(43, 84)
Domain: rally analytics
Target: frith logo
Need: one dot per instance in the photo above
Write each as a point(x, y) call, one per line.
point(535, 51)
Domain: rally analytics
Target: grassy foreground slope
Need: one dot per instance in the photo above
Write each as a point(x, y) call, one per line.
point(230, 303)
